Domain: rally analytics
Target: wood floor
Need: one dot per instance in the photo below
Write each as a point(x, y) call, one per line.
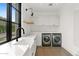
point(51, 51)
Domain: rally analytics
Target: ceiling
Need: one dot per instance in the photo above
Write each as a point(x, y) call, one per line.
point(44, 7)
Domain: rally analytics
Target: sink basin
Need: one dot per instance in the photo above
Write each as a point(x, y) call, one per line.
point(24, 41)
point(22, 46)
point(21, 49)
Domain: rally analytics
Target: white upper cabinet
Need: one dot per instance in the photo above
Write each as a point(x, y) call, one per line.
point(43, 18)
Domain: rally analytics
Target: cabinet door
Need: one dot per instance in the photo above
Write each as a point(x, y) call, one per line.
point(33, 49)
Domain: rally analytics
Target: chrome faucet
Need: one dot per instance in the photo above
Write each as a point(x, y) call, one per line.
point(17, 33)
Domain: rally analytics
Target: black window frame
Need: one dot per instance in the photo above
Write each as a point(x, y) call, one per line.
point(9, 22)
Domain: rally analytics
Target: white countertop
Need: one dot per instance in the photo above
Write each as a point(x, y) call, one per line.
point(9, 49)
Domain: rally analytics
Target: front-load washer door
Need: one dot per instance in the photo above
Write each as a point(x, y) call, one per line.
point(56, 39)
point(46, 39)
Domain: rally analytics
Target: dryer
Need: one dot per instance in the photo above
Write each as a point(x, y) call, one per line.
point(56, 40)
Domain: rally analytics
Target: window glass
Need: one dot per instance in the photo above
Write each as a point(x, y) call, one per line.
point(14, 15)
point(3, 10)
point(14, 28)
point(15, 5)
point(2, 31)
point(3, 22)
point(14, 20)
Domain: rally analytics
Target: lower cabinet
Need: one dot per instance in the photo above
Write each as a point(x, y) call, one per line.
point(33, 49)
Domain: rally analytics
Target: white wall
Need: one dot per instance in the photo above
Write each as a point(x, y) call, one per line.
point(25, 16)
point(69, 29)
point(76, 31)
point(76, 27)
point(45, 22)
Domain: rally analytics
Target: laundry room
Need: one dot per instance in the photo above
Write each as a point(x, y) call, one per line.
point(53, 23)
point(39, 29)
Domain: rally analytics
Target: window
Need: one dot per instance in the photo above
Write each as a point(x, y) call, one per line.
point(2, 31)
point(10, 20)
point(3, 8)
point(15, 19)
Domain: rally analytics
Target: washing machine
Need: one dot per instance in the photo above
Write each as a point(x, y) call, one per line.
point(56, 40)
point(46, 39)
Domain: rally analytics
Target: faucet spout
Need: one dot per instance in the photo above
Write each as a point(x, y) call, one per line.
point(23, 31)
point(17, 33)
